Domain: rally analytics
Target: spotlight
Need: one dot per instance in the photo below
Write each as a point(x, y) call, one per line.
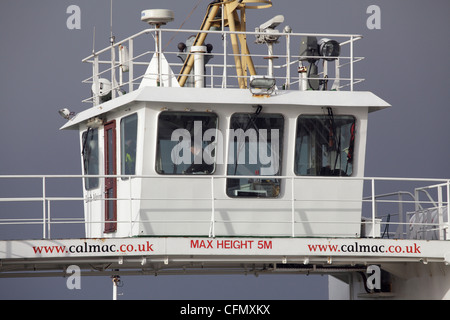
point(262, 85)
point(66, 114)
point(329, 49)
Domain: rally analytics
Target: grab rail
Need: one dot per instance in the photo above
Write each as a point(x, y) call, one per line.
point(11, 212)
point(106, 65)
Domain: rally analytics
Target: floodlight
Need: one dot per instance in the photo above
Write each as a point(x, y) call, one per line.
point(66, 114)
point(329, 49)
point(262, 85)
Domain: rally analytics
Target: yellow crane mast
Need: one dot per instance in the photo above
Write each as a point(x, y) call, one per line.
point(235, 23)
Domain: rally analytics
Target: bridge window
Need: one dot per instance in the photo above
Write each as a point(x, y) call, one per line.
point(128, 132)
point(325, 145)
point(186, 143)
point(255, 150)
point(90, 158)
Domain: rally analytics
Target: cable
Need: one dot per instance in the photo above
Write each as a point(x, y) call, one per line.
point(185, 20)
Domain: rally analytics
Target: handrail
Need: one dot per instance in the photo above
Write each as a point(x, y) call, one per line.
point(48, 202)
point(287, 53)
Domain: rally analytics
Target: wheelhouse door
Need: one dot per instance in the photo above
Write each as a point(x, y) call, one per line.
point(110, 182)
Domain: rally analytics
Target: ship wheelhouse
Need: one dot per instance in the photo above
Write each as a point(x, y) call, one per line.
point(229, 157)
point(182, 155)
point(185, 162)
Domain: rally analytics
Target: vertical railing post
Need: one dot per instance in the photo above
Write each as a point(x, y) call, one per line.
point(159, 39)
point(96, 84)
point(212, 226)
point(130, 65)
point(113, 69)
point(288, 61)
point(416, 200)
point(440, 213)
point(292, 208)
point(373, 208)
point(211, 67)
point(351, 63)
point(49, 220)
point(337, 75)
point(448, 209)
point(44, 209)
point(401, 226)
point(131, 207)
point(225, 74)
point(224, 35)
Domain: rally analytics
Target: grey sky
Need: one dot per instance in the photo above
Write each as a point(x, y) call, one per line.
point(406, 64)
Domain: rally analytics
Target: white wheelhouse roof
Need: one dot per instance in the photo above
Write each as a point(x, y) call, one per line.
point(216, 96)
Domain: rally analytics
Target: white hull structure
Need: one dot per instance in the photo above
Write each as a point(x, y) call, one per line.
point(230, 161)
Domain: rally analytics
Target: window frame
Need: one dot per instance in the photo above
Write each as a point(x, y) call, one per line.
point(123, 154)
point(351, 146)
point(159, 170)
point(90, 183)
point(275, 182)
point(110, 167)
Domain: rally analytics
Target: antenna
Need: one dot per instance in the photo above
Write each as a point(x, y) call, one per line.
point(111, 38)
point(93, 41)
point(157, 18)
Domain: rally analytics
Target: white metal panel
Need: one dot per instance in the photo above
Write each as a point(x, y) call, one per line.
point(360, 250)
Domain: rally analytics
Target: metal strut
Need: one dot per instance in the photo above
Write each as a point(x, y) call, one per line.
point(235, 23)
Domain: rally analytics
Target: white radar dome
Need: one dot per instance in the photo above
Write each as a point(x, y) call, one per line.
point(157, 16)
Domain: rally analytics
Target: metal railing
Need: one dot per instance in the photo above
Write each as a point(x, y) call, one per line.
point(125, 62)
point(400, 215)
